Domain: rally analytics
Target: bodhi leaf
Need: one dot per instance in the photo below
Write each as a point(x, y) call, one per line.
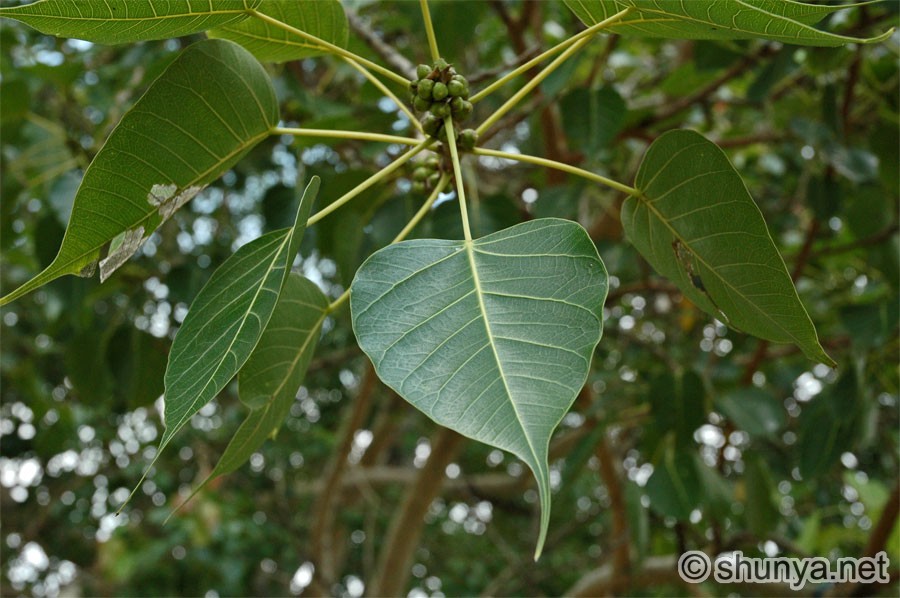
point(785, 21)
point(184, 132)
point(269, 380)
point(324, 19)
point(695, 222)
point(227, 319)
point(491, 338)
point(124, 21)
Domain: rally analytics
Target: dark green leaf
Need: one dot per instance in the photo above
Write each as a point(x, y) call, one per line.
point(753, 410)
point(227, 319)
point(182, 134)
point(269, 380)
point(785, 21)
point(492, 338)
point(123, 21)
point(324, 19)
point(695, 222)
point(674, 487)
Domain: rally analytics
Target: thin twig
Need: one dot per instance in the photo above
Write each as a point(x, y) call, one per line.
point(384, 50)
point(395, 559)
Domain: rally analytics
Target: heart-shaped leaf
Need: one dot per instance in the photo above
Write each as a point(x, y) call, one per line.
point(227, 319)
point(785, 21)
point(123, 21)
point(324, 19)
point(695, 222)
point(491, 338)
point(185, 132)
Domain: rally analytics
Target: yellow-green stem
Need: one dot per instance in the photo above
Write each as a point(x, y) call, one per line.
point(400, 79)
point(381, 174)
point(429, 30)
point(589, 32)
point(528, 87)
point(338, 134)
point(414, 221)
point(560, 166)
point(387, 92)
point(457, 173)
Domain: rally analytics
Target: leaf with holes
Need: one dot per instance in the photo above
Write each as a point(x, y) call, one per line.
point(491, 338)
point(227, 319)
point(123, 21)
point(784, 21)
point(185, 132)
point(695, 222)
point(324, 19)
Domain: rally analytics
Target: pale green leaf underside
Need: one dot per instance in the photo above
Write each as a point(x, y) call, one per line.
point(269, 380)
point(185, 132)
point(227, 319)
point(785, 21)
point(124, 21)
point(696, 224)
point(324, 19)
point(491, 338)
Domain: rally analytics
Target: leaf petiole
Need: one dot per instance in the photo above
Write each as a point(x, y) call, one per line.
point(559, 166)
point(414, 221)
point(337, 50)
point(381, 174)
point(384, 89)
point(587, 33)
point(457, 173)
point(339, 134)
point(429, 30)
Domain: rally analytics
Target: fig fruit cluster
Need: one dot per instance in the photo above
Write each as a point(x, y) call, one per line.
point(426, 175)
point(441, 92)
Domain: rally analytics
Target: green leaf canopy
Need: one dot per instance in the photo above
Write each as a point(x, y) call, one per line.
point(124, 21)
point(492, 338)
point(210, 106)
point(227, 319)
point(324, 19)
point(695, 222)
point(785, 21)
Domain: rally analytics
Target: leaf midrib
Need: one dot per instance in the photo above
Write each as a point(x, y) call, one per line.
point(470, 254)
point(245, 10)
point(644, 200)
point(679, 18)
point(181, 422)
point(250, 142)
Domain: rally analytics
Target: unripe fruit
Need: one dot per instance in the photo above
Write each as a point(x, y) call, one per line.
point(456, 104)
point(422, 71)
point(421, 173)
point(464, 112)
point(440, 110)
point(456, 88)
point(431, 125)
point(433, 162)
point(433, 180)
point(439, 91)
point(421, 104)
point(467, 139)
point(440, 64)
point(424, 89)
point(418, 187)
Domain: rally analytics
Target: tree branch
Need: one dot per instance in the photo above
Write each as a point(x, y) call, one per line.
point(321, 535)
point(395, 559)
point(385, 51)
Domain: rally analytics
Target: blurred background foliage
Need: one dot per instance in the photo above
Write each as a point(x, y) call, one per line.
point(688, 435)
